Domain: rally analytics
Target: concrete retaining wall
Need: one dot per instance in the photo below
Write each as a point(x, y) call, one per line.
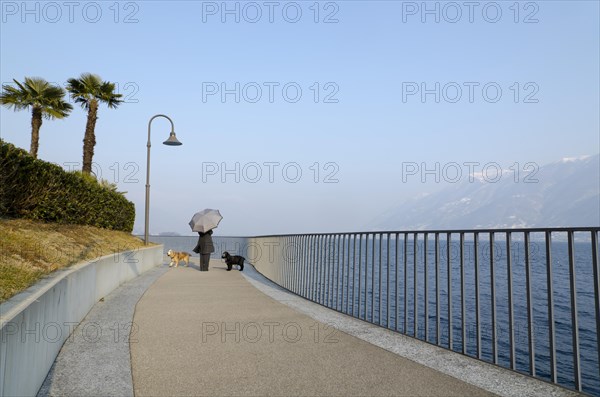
point(269, 257)
point(35, 323)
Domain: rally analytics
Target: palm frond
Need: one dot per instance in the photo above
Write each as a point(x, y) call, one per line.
point(12, 98)
point(58, 110)
point(89, 87)
point(21, 86)
point(38, 93)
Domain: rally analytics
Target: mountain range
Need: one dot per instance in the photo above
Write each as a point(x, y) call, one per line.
point(561, 194)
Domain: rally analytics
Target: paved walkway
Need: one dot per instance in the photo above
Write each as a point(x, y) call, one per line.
point(252, 337)
point(214, 334)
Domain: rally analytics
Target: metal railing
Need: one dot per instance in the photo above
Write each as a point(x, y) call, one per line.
point(523, 299)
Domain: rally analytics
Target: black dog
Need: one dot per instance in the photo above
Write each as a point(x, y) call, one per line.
point(231, 260)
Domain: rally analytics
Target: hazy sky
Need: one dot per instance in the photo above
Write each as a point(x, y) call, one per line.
point(309, 116)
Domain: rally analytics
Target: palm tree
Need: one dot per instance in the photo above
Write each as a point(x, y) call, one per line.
point(45, 100)
point(89, 91)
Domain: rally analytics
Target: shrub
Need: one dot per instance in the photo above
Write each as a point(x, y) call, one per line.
point(38, 190)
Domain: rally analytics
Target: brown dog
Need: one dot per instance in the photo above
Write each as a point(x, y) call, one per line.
point(176, 257)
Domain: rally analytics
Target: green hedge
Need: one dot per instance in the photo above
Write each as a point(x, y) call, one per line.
point(38, 190)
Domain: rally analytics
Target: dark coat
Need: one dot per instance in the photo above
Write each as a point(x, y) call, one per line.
point(205, 243)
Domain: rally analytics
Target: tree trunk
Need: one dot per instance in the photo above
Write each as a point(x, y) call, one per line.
point(36, 124)
point(89, 140)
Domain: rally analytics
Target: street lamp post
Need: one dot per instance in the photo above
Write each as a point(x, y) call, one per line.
point(172, 141)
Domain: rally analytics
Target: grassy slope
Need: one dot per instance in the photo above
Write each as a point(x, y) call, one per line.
point(30, 250)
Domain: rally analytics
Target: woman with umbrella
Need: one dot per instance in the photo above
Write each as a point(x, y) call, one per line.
point(204, 247)
point(203, 222)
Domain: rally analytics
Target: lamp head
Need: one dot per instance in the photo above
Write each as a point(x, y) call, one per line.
point(172, 141)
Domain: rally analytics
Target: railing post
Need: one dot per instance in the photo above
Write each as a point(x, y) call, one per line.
point(596, 271)
point(387, 298)
point(397, 271)
point(373, 278)
point(477, 312)
point(344, 264)
point(360, 273)
point(574, 320)
point(449, 274)
point(353, 272)
point(426, 291)
point(493, 295)
point(530, 334)
point(462, 294)
point(511, 317)
point(437, 289)
point(550, 289)
point(380, 275)
point(313, 264)
point(405, 255)
point(416, 287)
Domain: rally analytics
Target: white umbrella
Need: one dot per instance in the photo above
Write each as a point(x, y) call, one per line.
point(205, 220)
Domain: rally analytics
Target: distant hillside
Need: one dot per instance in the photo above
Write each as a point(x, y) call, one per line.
point(567, 193)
